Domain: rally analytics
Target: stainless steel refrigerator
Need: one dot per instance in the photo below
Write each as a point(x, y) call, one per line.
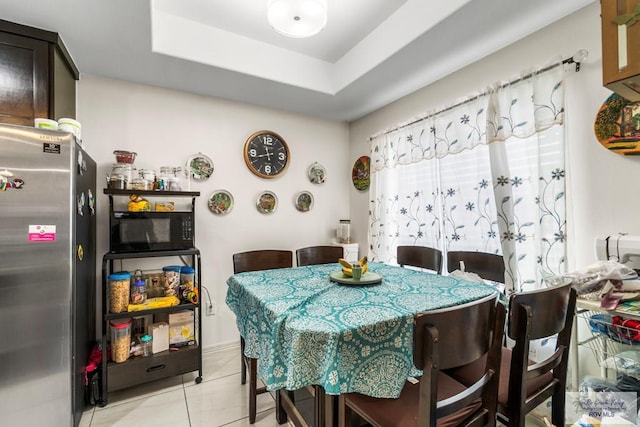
point(47, 275)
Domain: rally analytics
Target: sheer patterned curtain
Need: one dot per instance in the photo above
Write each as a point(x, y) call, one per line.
point(485, 175)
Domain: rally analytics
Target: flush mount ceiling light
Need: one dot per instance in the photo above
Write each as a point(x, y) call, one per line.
point(297, 18)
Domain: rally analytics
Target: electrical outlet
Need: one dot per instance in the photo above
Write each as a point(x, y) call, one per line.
point(211, 308)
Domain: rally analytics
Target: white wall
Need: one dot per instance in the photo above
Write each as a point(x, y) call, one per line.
point(167, 127)
point(600, 197)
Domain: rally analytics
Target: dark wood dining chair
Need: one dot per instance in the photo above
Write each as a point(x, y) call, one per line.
point(443, 339)
point(420, 256)
point(524, 384)
point(254, 261)
point(318, 255)
point(486, 265)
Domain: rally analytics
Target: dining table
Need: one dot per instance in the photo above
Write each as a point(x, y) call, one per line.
point(307, 330)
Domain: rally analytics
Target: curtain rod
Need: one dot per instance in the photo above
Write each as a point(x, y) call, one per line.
point(579, 56)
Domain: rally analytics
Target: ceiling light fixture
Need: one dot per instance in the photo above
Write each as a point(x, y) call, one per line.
point(297, 18)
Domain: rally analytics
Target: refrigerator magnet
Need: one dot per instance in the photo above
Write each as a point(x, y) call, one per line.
point(92, 202)
point(80, 253)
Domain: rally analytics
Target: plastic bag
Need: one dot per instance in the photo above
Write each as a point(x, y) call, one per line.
point(594, 277)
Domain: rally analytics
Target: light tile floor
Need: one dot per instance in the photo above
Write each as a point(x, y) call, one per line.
point(220, 400)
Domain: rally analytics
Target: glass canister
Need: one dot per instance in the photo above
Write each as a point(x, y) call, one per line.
point(141, 184)
point(171, 280)
point(146, 342)
point(138, 291)
point(120, 340)
point(343, 232)
point(166, 172)
point(183, 175)
point(118, 182)
point(119, 291)
point(148, 174)
point(173, 184)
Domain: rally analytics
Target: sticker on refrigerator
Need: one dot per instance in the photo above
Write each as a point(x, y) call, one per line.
point(50, 147)
point(42, 233)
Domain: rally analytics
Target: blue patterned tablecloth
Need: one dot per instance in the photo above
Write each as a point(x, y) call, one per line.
point(306, 330)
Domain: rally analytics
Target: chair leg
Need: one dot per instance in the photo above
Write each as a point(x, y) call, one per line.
point(253, 381)
point(243, 364)
point(558, 402)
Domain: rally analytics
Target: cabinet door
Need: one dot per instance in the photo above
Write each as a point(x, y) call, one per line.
point(24, 83)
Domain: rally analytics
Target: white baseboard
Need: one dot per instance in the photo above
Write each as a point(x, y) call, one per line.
point(230, 345)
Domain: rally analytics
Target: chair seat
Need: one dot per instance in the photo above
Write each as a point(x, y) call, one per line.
point(403, 412)
point(472, 372)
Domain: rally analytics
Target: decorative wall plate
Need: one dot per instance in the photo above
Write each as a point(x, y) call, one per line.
point(220, 202)
point(617, 125)
point(267, 202)
point(200, 167)
point(316, 173)
point(360, 173)
point(304, 201)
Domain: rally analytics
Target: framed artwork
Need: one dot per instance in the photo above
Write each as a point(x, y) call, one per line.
point(360, 173)
point(220, 202)
point(200, 167)
point(316, 173)
point(304, 201)
point(267, 202)
point(617, 125)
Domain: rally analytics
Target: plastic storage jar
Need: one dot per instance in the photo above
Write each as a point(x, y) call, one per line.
point(146, 341)
point(119, 291)
point(171, 280)
point(138, 291)
point(187, 275)
point(120, 340)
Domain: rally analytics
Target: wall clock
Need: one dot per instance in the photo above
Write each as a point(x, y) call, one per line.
point(266, 154)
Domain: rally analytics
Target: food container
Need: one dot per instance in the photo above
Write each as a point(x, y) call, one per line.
point(45, 124)
point(118, 182)
point(146, 342)
point(173, 184)
point(171, 280)
point(182, 329)
point(187, 275)
point(69, 125)
point(165, 207)
point(155, 283)
point(120, 340)
point(119, 291)
point(148, 174)
point(123, 169)
point(138, 292)
point(141, 184)
point(125, 156)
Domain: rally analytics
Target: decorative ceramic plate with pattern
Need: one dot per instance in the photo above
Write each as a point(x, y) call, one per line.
point(267, 202)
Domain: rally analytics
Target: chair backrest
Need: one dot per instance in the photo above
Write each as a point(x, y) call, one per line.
point(420, 256)
point(488, 266)
point(468, 332)
point(318, 255)
point(534, 315)
point(261, 260)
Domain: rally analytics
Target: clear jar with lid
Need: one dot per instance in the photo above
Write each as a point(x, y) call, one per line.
point(148, 174)
point(141, 184)
point(183, 175)
point(138, 291)
point(119, 291)
point(118, 182)
point(166, 172)
point(146, 342)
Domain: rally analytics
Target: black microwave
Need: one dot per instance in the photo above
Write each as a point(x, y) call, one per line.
point(151, 231)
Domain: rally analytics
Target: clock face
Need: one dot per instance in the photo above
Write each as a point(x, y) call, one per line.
point(266, 154)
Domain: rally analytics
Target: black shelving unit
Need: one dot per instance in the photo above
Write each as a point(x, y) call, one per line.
point(137, 370)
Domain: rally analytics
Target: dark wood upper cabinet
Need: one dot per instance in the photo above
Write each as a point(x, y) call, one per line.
point(621, 49)
point(38, 76)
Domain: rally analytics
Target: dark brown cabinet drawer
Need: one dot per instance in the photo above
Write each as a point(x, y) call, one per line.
point(161, 365)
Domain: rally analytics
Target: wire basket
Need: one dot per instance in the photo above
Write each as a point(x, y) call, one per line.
point(615, 342)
